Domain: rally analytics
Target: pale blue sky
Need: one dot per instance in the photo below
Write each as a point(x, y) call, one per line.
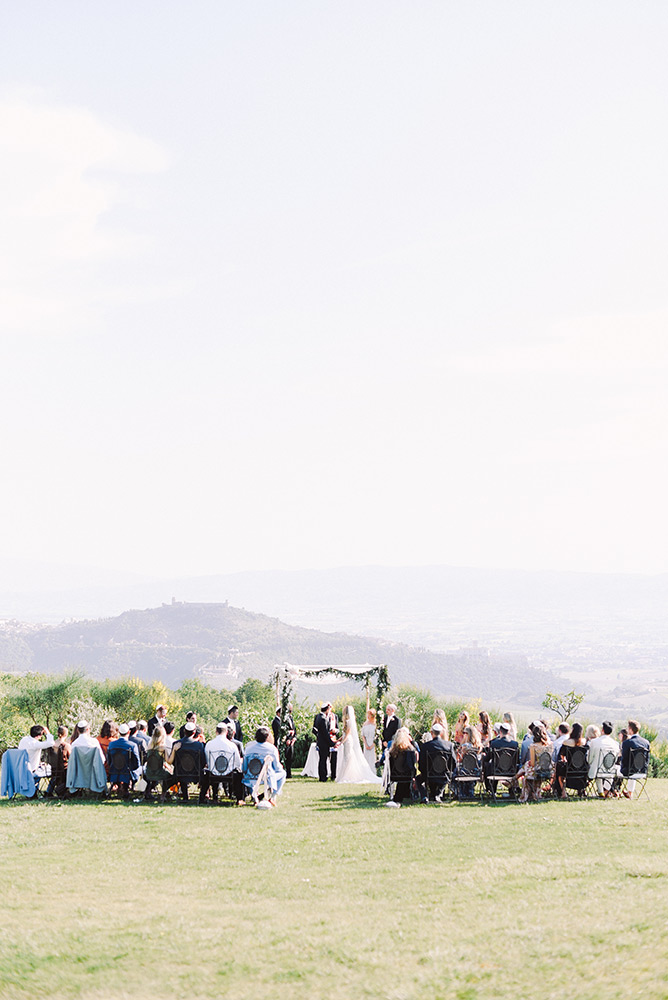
point(292, 285)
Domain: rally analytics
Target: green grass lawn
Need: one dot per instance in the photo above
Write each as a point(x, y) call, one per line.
point(332, 895)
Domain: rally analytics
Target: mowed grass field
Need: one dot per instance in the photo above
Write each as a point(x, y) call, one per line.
point(333, 895)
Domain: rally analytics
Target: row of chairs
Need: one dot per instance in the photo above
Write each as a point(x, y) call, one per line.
point(189, 768)
point(502, 765)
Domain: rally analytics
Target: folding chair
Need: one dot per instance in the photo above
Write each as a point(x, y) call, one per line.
point(440, 765)
point(468, 771)
point(188, 767)
point(576, 775)
point(16, 778)
point(220, 769)
point(543, 773)
point(256, 778)
point(402, 772)
point(503, 765)
point(638, 773)
point(607, 774)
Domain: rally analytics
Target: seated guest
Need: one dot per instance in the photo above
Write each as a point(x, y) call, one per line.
point(262, 747)
point(440, 719)
point(108, 732)
point(592, 733)
point(190, 717)
point(169, 728)
point(142, 733)
point(576, 739)
point(563, 729)
point(634, 742)
point(438, 745)
point(460, 725)
point(527, 742)
point(58, 757)
point(512, 725)
point(470, 744)
point(231, 734)
point(156, 763)
point(85, 770)
point(500, 742)
point(222, 744)
point(39, 739)
point(533, 778)
point(484, 727)
point(137, 740)
point(195, 745)
point(126, 776)
point(403, 751)
point(598, 748)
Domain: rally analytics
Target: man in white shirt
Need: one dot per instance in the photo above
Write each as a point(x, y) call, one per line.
point(598, 748)
point(34, 744)
point(562, 734)
point(221, 745)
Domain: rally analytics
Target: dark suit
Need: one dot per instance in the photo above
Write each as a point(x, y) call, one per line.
point(323, 742)
point(632, 743)
point(390, 727)
point(432, 748)
point(238, 735)
point(291, 732)
point(276, 728)
point(155, 721)
point(196, 747)
point(498, 743)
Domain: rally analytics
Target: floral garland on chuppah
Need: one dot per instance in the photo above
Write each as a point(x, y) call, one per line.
point(286, 673)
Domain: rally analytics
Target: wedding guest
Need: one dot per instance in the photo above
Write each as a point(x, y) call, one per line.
point(190, 717)
point(134, 737)
point(221, 744)
point(58, 758)
point(500, 742)
point(402, 749)
point(462, 722)
point(470, 743)
point(437, 745)
point(157, 746)
point(108, 732)
point(158, 719)
point(440, 719)
point(233, 716)
point(231, 733)
point(563, 729)
point(592, 733)
point(290, 740)
point(169, 728)
point(142, 734)
point(533, 780)
point(276, 725)
point(263, 748)
point(598, 748)
point(124, 778)
point(484, 727)
point(576, 739)
point(195, 745)
point(391, 723)
point(39, 739)
point(512, 730)
point(634, 742)
point(369, 738)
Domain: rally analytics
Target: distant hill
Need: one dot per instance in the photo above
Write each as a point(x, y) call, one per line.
point(223, 645)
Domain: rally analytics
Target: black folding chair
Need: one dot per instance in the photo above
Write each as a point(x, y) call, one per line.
point(440, 765)
point(188, 766)
point(402, 776)
point(638, 772)
point(468, 772)
point(502, 765)
point(576, 773)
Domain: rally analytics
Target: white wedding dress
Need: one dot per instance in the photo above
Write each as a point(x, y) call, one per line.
point(352, 767)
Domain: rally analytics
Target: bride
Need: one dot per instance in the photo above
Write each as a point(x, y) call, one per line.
point(351, 764)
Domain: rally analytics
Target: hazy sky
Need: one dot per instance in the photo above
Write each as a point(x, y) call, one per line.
point(308, 284)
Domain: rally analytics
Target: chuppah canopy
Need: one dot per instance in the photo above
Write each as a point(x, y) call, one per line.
point(328, 673)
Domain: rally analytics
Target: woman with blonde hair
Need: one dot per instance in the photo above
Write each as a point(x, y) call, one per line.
point(441, 720)
point(404, 753)
point(533, 777)
point(158, 771)
point(509, 719)
point(369, 738)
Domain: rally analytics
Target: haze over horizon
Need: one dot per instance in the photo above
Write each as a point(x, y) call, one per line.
point(334, 286)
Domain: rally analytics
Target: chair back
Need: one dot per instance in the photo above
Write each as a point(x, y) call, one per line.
point(220, 763)
point(121, 763)
point(505, 761)
point(607, 764)
point(577, 766)
point(155, 765)
point(187, 765)
point(542, 770)
point(469, 766)
point(252, 767)
point(402, 766)
point(440, 765)
point(56, 761)
point(638, 762)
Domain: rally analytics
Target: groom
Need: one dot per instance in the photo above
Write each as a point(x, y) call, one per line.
point(325, 728)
